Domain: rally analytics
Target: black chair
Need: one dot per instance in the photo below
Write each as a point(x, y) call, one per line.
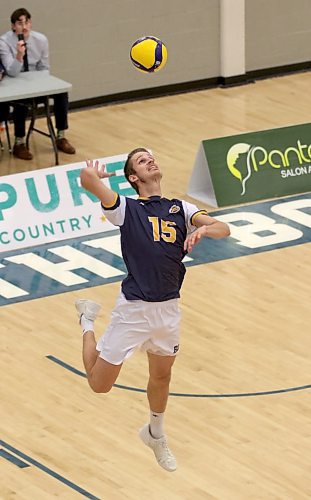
point(33, 106)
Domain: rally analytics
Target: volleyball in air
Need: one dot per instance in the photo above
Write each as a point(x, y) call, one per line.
point(148, 54)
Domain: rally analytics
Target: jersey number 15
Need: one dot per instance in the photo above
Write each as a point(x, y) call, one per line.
point(163, 229)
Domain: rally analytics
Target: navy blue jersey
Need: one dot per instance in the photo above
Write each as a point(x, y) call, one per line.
point(153, 231)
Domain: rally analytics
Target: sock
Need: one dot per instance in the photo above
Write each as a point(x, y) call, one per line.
point(87, 324)
point(156, 424)
point(60, 134)
point(19, 140)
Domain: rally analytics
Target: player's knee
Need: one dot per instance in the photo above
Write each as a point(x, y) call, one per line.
point(100, 387)
point(161, 378)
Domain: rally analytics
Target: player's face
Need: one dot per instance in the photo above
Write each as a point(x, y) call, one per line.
point(22, 26)
point(145, 166)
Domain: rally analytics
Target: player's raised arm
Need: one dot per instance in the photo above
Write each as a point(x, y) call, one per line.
point(91, 181)
point(206, 227)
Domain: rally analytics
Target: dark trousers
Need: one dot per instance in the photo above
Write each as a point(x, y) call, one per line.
point(20, 112)
point(4, 111)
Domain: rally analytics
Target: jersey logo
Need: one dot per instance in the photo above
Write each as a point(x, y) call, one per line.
point(174, 209)
point(176, 348)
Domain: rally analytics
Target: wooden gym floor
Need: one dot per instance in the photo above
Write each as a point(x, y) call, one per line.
point(245, 331)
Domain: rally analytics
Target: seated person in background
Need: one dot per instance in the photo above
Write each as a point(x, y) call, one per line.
point(30, 54)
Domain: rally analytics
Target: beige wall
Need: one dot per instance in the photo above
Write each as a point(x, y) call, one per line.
point(277, 33)
point(90, 39)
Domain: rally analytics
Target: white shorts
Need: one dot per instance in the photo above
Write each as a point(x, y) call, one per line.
point(136, 324)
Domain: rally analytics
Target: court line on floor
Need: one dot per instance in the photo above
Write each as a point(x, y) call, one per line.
point(42, 467)
point(185, 395)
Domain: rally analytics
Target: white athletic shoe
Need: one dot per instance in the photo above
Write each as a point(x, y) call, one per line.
point(163, 454)
point(88, 308)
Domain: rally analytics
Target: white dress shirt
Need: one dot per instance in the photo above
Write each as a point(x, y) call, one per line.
point(37, 51)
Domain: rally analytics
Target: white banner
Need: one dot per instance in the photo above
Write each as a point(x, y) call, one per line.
point(47, 205)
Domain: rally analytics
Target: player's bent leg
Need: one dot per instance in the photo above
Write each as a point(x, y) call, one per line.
point(103, 375)
point(89, 351)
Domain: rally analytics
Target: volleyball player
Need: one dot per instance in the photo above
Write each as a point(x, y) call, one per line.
point(156, 234)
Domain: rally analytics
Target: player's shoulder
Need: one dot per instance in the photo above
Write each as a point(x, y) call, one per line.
point(174, 202)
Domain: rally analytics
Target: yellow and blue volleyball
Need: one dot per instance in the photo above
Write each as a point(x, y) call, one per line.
point(148, 54)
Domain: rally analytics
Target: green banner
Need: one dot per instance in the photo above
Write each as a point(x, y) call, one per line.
point(260, 165)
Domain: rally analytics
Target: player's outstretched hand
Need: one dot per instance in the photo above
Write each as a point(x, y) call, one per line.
point(100, 169)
